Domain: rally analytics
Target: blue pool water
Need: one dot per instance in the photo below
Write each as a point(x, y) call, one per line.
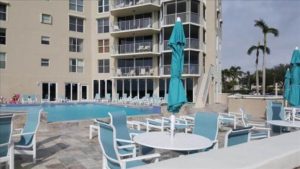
point(81, 111)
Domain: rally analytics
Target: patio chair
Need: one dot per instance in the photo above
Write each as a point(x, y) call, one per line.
point(160, 124)
point(237, 136)
point(275, 111)
point(97, 97)
point(111, 157)
point(6, 144)
point(259, 130)
point(207, 125)
point(107, 98)
point(27, 143)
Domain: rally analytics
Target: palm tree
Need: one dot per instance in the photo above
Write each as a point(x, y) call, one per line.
point(257, 48)
point(265, 30)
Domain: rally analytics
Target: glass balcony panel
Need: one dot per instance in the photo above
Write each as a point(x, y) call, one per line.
point(190, 43)
point(129, 3)
point(187, 69)
point(134, 71)
point(132, 24)
point(133, 48)
point(184, 16)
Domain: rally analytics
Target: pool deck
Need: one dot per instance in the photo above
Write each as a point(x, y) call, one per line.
point(64, 146)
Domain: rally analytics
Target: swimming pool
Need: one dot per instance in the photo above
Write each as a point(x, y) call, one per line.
point(81, 111)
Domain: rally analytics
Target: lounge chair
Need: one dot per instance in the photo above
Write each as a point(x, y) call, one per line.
point(107, 98)
point(6, 144)
point(27, 143)
point(160, 124)
point(207, 125)
point(97, 97)
point(111, 157)
point(237, 136)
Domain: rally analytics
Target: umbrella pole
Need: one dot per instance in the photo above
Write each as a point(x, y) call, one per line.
point(172, 127)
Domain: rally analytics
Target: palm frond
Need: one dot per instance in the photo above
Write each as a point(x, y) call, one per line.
point(251, 49)
point(274, 31)
point(261, 24)
point(261, 47)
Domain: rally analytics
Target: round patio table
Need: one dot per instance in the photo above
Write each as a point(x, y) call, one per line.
point(284, 123)
point(180, 141)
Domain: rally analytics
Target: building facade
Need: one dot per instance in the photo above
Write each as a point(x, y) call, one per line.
point(77, 48)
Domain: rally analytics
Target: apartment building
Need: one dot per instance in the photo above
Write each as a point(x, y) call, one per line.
point(77, 48)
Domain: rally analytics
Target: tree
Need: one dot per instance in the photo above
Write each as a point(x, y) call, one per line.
point(265, 30)
point(231, 77)
point(257, 48)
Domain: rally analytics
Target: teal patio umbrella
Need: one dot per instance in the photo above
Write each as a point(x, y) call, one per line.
point(287, 82)
point(177, 95)
point(294, 94)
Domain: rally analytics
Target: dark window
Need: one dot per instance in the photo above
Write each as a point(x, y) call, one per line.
point(2, 12)
point(103, 6)
point(45, 40)
point(2, 36)
point(103, 66)
point(75, 24)
point(103, 25)
point(44, 62)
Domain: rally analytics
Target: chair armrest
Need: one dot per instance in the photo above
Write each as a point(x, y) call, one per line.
point(156, 155)
point(22, 134)
point(135, 123)
point(256, 124)
point(125, 141)
point(4, 144)
point(127, 146)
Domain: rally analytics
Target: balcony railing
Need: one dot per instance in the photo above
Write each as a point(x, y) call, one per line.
point(132, 24)
point(133, 48)
point(135, 71)
point(190, 43)
point(129, 3)
point(187, 69)
point(185, 17)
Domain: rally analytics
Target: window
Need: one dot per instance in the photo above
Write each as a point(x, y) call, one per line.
point(75, 24)
point(103, 66)
point(103, 6)
point(2, 12)
point(44, 62)
point(2, 36)
point(46, 19)
point(76, 65)
point(2, 60)
point(103, 46)
point(45, 40)
point(76, 5)
point(75, 45)
point(103, 25)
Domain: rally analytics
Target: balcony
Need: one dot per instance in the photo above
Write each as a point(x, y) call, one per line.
point(188, 69)
point(139, 27)
point(191, 43)
point(141, 48)
point(134, 71)
point(186, 17)
point(123, 7)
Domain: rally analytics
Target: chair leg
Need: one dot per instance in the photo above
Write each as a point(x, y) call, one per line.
point(91, 132)
point(12, 158)
point(34, 151)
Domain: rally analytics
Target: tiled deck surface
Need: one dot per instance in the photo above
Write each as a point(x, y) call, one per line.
point(64, 146)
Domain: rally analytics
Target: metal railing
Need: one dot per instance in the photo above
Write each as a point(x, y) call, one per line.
point(184, 16)
point(129, 3)
point(187, 69)
point(133, 48)
point(135, 71)
point(190, 43)
point(132, 24)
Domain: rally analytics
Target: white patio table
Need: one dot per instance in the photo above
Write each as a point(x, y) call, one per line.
point(180, 142)
point(285, 123)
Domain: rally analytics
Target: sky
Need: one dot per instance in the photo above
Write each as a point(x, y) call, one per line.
point(239, 33)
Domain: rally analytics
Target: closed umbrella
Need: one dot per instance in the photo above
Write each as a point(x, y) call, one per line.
point(177, 95)
point(294, 94)
point(287, 81)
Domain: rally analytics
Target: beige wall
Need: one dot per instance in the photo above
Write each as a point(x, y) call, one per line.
point(24, 74)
